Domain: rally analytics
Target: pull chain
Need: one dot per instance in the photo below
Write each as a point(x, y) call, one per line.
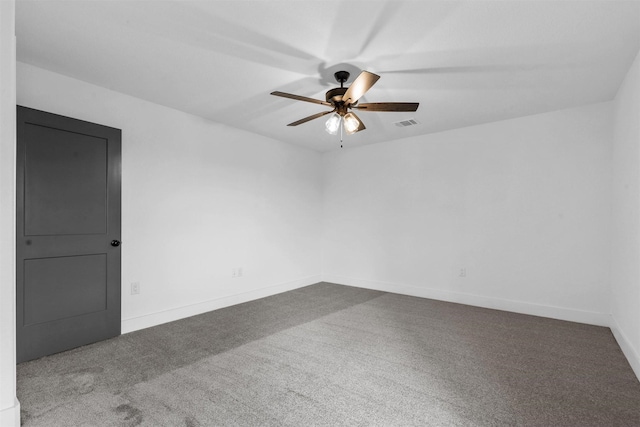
point(341, 124)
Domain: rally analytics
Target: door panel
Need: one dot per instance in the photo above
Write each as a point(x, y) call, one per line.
point(68, 212)
point(49, 281)
point(72, 189)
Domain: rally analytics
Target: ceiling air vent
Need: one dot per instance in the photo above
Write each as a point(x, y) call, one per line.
point(405, 123)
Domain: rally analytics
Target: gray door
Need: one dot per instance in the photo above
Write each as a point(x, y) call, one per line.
point(67, 233)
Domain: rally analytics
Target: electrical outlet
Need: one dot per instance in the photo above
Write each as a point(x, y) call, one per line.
point(462, 272)
point(236, 272)
point(135, 288)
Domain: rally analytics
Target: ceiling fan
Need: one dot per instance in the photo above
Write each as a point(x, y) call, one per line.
point(343, 99)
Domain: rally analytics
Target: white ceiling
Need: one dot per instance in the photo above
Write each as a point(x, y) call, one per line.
point(466, 62)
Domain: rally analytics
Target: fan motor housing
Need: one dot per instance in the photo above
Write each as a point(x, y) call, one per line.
point(335, 95)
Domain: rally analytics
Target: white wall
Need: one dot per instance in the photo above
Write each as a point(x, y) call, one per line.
point(522, 205)
point(199, 199)
point(625, 255)
point(9, 406)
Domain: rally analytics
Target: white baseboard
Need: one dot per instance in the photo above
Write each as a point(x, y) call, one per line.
point(158, 318)
point(625, 345)
point(10, 417)
point(561, 313)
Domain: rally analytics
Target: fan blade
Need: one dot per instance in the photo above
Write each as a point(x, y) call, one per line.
point(388, 106)
point(306, 119)
point(301, 98)
point(359, 87)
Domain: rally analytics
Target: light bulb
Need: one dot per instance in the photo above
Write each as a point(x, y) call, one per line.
point(351, 123)
point(333, 124)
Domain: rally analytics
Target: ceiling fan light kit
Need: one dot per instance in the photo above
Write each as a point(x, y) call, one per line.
point(351, 123)
point(334, 122)
point(344, 99)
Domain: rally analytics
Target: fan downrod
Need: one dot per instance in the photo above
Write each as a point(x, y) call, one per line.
point(341, 76)
point(334, 96)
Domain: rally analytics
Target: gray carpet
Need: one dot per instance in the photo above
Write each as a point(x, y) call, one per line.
point(334, 355)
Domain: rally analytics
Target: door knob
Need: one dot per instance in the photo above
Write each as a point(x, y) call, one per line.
point(115, 243)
